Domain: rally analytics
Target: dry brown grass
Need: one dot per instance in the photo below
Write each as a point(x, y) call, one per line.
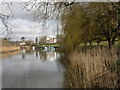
point(91, 67)
point(8, 48)
point(8, 54)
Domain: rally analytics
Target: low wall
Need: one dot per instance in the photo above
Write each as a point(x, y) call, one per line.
point(4, 49)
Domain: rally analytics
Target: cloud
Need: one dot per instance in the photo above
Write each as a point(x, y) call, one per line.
point(25, 28)
point(31, 29)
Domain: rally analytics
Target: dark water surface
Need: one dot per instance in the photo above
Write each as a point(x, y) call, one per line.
point(32, 69)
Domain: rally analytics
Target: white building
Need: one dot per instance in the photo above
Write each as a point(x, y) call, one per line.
point(49, 39)
point(23, 43)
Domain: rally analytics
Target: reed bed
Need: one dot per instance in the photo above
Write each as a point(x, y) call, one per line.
point(93, 67)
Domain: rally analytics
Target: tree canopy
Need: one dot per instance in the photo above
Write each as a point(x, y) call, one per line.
point(87, 22)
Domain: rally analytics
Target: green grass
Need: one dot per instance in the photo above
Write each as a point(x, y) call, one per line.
point(49, 45)
point(117, 43)
point(105, 43)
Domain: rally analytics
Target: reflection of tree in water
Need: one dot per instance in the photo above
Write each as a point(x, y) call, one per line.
point(93, 69)
point(37, 53)
point(29, 51)
point(23, 55)
point(24, 52)
point(41, 54)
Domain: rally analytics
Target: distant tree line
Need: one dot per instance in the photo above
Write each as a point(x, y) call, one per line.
point(88, 22)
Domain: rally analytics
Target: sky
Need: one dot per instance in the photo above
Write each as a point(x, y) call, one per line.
point(24, 24)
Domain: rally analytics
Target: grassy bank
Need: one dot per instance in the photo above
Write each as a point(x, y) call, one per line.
point(9, 48)
point(93, 67)
point(8, 54)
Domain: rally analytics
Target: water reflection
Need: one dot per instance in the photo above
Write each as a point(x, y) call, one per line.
point(32, 69)
point(23, 53)
point(43, 55)
point(8, 54)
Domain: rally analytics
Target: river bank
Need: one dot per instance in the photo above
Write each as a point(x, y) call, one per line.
point(4, 49)
point(7, 46)
point(8, 54)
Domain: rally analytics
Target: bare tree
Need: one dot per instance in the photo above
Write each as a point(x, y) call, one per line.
point(46, 10)
point(5, 19)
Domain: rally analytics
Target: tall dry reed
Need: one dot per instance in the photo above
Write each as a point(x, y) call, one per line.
point(93, 67)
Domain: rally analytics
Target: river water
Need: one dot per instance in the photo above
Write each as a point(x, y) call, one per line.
point(32, 69)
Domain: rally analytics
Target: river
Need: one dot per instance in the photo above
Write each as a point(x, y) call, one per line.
point(32, 69)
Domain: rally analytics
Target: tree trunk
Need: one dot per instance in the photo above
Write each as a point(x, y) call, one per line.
point(109, 43)
point(98, 43)
point(84, 44)
point(113, 41)
point(90, 42)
